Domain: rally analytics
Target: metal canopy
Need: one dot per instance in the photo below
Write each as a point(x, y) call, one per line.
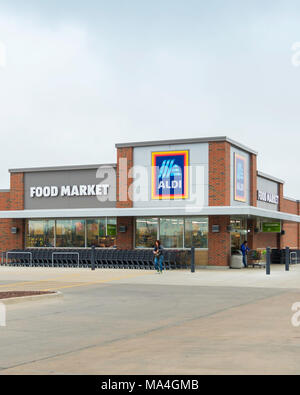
point(151, 212)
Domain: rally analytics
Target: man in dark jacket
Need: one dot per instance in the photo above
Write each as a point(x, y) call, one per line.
point(245, 249)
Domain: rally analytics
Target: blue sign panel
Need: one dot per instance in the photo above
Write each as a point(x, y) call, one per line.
point(170, 175)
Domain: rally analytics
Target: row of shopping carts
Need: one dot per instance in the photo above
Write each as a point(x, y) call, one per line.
point(103, 258)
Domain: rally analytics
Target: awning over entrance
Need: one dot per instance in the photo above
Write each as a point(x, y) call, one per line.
point(151, 212)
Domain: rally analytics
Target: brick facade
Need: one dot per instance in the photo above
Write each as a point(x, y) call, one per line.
point(219, 174)
point(219, 249)
point(291, 238)
point(124, 164)
point(13, 200)
point(219, 195)
point(253, 180)
point(125, 240)
point(219, 180)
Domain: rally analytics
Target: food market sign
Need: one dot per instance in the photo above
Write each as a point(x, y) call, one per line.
point(69, 190)
point(267, 197)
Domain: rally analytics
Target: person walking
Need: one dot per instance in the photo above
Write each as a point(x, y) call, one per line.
point(158, 256)
point(245, 249)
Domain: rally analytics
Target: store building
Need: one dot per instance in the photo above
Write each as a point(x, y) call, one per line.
point(202, 192)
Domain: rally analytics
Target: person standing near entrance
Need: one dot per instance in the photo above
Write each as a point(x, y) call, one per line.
point(245, 249)
point(158, 256)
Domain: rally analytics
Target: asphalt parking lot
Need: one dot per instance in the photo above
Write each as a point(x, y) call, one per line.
point(133, 322)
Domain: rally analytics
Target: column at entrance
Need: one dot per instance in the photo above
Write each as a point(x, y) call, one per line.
point(125, 230)
point(219, 241)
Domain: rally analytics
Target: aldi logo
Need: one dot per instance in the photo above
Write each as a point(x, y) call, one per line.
point(170, 175)
point(240, 179)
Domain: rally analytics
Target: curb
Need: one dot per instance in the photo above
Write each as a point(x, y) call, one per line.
point(29, 298)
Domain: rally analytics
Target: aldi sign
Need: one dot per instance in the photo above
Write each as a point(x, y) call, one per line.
point(240, 178)
point(170, 172)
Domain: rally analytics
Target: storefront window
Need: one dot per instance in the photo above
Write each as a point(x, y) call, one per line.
point(40, 233)
point(70, 233)
point(171, 232)
point(196, 230)
point(146, 232)
point(111, 227)
point(101, 232)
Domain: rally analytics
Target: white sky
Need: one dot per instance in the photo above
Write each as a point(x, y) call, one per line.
point(77, 77)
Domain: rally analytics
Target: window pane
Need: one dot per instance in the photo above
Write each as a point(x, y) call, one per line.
point(196, 230)
point(97, 234)
point(70, 233)
point(146, 232)
point(111, 227)
point(171, 232)
point(39, 233)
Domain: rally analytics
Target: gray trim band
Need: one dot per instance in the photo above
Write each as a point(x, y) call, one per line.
point(151, 212)
point(268, 177)
point(187, 141)
point(58, 168)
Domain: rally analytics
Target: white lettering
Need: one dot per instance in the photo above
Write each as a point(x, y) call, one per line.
point(39, 192)
point(54, 191)
point(99, 191)
point(267, 197)
point(75, 191)
point(46, 191)
point(83, 190)
point(91, 190)
point(32, 192)
point(69, 190)
point(65, 190)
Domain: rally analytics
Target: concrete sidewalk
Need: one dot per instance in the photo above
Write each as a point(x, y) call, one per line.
point(52, 278)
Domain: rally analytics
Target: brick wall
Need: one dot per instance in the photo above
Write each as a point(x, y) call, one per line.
point(219, 174)
point(219, 195)
point(124, 164)
point(219, 243)
point(291, 238)
point(13, 200)
point(17, 191)
point(253, 180)
point(125, 240)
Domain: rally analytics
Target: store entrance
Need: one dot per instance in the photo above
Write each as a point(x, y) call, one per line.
point(238, 233)
point(237, 239)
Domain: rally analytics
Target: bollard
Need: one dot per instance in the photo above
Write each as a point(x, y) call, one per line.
point(268, 261)
point(287, 259)
point(193, 259)
point(93, 258)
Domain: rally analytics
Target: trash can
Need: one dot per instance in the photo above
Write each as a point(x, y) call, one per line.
point(236, 261)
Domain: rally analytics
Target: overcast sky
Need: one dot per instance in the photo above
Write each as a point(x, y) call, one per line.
point(80, 76)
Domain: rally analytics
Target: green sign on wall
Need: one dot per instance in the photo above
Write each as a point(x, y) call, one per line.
point(271, 227)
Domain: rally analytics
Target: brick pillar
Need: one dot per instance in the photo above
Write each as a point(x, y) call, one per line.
point(219, 174)
point(12, 200)
point(253, 180)
point(17, 191)
point(280, 193)
point(219, 244)
point(124, 164)
point(219, 195)
point(125, 240)
point(17, 203)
